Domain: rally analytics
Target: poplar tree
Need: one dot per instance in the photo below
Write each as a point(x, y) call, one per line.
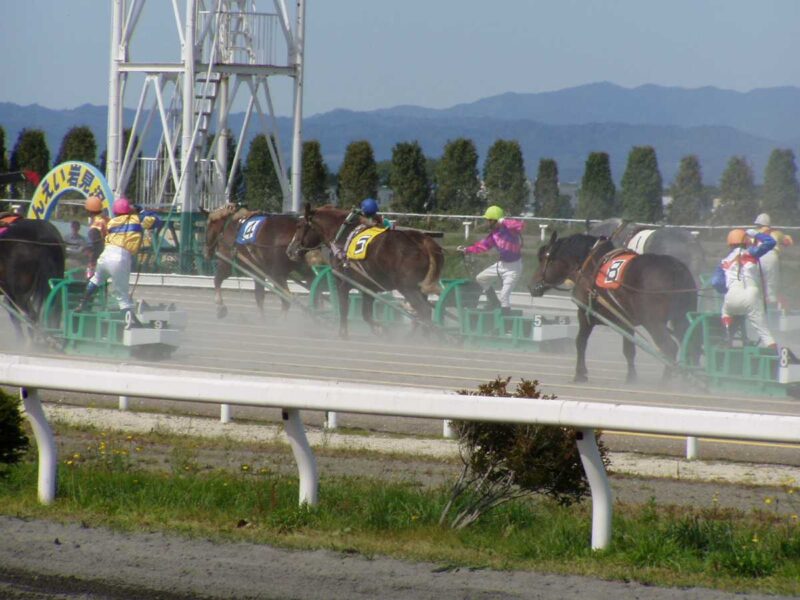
point(409, 178)
point(738, 204)
point(30, 153)
point(358, 175)
point(641, 189)
point(597, 194)
point(314, 174)
point(262, 186)
point(547, 200)
point(781, 192)
point(457, 178)
point(78, 144)
point(504, 176)
point(688, 197)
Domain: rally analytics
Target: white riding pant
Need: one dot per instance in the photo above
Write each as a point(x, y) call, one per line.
point(115, 263)
point(507, 273)
point(747, 302)
point(771, 271)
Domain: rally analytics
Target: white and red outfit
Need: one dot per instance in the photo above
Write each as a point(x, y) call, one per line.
point(507, 238)
point(743, 282)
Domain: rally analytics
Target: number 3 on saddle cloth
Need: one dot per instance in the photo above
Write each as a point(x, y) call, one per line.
point(359, 241)
point(612, 269)
point(249, 228)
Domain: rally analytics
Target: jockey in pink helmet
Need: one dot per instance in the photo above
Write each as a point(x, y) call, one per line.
point(123, 240)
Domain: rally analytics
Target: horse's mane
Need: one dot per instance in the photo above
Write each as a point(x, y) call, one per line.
point(575, 246)
point(223, 212)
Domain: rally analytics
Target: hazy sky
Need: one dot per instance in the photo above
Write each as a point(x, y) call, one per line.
point(366, 54)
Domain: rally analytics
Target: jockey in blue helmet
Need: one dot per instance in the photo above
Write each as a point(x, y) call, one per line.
point(365, 215)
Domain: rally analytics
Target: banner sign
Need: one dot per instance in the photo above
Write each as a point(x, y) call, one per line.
point(72, 176)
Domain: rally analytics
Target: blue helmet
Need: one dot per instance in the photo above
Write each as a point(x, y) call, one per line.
point(369, 207)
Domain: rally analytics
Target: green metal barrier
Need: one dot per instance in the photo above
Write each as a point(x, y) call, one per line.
point(746, 369)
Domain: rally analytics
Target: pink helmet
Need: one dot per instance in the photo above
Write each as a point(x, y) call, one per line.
point(122, 206)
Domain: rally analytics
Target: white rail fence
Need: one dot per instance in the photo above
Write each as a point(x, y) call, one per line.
point(293, 395)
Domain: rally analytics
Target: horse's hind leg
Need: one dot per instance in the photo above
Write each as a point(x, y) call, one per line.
point(629, 350)
point(222, 273)
point(585, 327)
point(367, 312)
point(419, 302)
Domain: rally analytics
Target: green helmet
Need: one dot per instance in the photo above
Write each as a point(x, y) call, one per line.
point(493, 213)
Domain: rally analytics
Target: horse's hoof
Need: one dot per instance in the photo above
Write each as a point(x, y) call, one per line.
point(631, 379)
point(580, 378)
point(222, 312)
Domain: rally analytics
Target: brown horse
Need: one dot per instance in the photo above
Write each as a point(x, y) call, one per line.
point(266, 255)
point(654, 290)
point(407, 261)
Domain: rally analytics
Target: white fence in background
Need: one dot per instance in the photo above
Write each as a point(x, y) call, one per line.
point(292, 395)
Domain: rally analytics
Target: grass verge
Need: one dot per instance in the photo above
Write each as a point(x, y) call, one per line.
point(758, 551)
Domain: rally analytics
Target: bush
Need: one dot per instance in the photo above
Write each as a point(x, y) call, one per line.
point(506, 461)
point(13, 441)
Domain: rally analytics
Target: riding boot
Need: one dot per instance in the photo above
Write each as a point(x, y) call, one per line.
point(87, 298)
point(492, 301)
point(506, 310)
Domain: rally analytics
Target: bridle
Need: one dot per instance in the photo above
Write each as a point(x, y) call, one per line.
point(314, 227)
point(543, 283)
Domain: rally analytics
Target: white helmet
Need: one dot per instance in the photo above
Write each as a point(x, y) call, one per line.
point(763, 220)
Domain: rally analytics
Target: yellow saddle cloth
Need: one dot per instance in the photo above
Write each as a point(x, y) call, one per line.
point(359, 243)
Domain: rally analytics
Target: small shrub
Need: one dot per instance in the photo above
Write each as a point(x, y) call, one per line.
point(13, 441)
point(504, 461)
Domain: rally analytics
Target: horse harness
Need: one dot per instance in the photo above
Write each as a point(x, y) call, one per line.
point(598, 295)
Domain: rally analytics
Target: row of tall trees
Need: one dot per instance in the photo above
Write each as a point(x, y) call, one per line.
point(454, 184)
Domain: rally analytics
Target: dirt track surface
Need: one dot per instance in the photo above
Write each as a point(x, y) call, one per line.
point(76, 562)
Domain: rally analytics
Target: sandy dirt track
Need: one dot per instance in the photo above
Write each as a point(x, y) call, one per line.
point(85, 563)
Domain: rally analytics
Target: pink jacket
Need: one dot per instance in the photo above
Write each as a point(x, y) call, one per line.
point(507, 238)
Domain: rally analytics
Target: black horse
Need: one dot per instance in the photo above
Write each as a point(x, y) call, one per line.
point(652, 291)
point(31, 253)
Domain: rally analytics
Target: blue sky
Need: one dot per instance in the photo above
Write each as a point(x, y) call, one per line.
point(366, 54)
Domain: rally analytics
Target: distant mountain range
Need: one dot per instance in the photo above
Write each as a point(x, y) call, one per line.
point(566, 125)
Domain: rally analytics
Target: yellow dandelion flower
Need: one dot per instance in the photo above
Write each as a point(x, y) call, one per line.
point(794, 517)
point(69, 462)
point(77, 455)
point(755, 539)
point(138, 448)
point(245, 468)
point(767, 500)
point(129, 438)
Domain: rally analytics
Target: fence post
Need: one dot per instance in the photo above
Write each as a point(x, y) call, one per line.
point(330, 420)
point(304, 455)
point(123, 402)
point(602, 500)
point(691, 448)
point(225, 413)
point(45, 443)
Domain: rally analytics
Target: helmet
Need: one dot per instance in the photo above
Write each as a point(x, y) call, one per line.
point(93, 204)
point(763, 220)
point(369, 207)
point(122, 206)
point(737, 237)
point(493, 213)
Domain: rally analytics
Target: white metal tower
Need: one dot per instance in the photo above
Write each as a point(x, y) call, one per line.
point(228, 48)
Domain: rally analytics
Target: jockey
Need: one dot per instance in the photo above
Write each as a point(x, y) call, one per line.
point(506, 236)
point(124, 238)
point(738, 276)
point(98, 224)
point(770, 262)
point(366, 215)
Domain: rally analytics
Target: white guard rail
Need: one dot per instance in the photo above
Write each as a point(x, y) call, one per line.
point(292, 395)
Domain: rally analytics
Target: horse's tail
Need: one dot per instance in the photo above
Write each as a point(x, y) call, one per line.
point(430, 285)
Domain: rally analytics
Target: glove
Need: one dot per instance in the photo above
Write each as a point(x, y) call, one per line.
point(752, 233)
point(501, 221)
point(461, 249)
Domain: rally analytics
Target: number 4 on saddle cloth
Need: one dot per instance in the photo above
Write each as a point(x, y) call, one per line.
point(612, 269)
point(249, 228)
point(359, 242)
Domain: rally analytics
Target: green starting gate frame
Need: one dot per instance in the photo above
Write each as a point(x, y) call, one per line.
point(746, 369)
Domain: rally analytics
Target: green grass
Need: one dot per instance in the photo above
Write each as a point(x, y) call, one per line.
point(664, 546)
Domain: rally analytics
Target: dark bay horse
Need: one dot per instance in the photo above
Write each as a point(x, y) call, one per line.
point(404, 260)
point(654, 290)
point(267, 252)
point(31, 253)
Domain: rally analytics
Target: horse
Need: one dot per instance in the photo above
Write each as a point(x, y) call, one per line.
point(408, 261)
point(652, 291)
point(266, 254)
point(649, 240)
point(31, 253)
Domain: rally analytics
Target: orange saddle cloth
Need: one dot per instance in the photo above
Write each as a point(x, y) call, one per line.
point(612, 270)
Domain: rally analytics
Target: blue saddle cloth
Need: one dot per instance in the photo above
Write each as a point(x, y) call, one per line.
point(248, 230)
